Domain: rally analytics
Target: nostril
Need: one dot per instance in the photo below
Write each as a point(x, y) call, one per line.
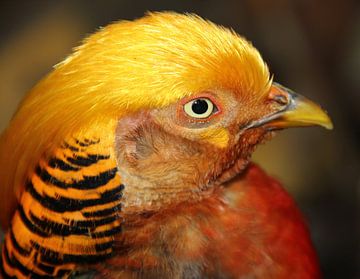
point(282, 98)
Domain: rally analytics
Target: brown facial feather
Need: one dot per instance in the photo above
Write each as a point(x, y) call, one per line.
point(161, 169)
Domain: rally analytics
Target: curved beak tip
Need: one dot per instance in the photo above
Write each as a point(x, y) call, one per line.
point(326, 123)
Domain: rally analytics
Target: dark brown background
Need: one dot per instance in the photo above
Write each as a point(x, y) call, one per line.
point(311, 46)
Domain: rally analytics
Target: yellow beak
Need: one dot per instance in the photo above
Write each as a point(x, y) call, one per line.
point(298, 111)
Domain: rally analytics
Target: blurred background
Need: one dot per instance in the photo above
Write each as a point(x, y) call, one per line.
point(312, 47)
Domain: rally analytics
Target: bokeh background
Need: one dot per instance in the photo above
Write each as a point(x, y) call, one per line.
point(311, 46)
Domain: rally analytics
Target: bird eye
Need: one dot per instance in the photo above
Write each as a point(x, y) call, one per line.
point(200, 108)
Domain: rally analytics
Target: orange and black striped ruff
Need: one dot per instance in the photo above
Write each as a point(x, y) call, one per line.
point(68, 214)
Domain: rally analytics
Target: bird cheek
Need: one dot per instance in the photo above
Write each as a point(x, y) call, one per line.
point(128, 133)
point(216, 136)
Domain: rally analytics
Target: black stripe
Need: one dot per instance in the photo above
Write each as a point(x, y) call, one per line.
point(17, 246)
point(29, 224)
point(49, 227)
point(82, 144)
point(61, 204)
point(86, 142)
point(89, 182)
point(104, 246)
point(92, 141)
point(107, 233)
point(46, 268)
point(62, 165)
point(102, 213)
point(51, 257)
point(70, 147)
point(37, 276)
point(6, 258)
point(76, 227)
point(89, 160)
point(95, 223)
point(14, 262)
point(3, 273)
point(112, 192)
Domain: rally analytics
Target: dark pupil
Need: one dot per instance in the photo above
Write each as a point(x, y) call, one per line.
point(200, 106)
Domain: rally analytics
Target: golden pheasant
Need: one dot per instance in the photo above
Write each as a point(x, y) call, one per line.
point(131, 159)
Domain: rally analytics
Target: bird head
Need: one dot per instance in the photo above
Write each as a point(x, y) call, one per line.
point(190, 101)
point(184, 151)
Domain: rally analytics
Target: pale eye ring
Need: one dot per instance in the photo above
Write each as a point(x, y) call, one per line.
point(200, 108)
